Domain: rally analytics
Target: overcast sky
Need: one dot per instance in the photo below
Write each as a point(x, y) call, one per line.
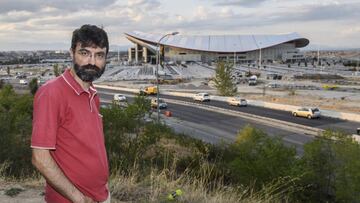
point(48, 24)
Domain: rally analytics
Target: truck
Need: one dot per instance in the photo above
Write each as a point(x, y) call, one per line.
point(253, 80)
point(150, 90)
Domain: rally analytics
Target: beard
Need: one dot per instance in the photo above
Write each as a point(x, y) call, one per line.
point(88, 73)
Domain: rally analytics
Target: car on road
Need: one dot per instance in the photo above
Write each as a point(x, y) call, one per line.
point(307, 112)
point(119, 98)
point(201, 97)
point(23, 82)
point(237, 101)
point(162, 103)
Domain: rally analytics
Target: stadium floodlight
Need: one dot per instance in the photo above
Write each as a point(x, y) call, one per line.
point(157, 72)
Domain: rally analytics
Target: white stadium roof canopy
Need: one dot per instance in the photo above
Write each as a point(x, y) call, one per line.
point(219, 43)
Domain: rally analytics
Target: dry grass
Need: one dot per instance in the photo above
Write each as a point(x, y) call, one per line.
point(159, 184)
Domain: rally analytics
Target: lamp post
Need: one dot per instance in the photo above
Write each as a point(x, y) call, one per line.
point(157, 73)
point(234, 55)
point(260, 56)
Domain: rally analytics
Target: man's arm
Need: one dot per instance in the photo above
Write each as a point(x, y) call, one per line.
point(43, 161)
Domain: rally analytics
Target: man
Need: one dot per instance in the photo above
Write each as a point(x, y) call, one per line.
point(67, 138)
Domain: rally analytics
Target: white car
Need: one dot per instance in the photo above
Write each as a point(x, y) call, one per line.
point(201, 97)
point(119, 98)
point(307, 112)
point(237, 101)
point(23, 82)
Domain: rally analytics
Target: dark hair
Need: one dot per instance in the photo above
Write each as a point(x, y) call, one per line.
point(90, 35)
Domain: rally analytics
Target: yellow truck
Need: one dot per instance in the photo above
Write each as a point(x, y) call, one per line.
point(151, 90)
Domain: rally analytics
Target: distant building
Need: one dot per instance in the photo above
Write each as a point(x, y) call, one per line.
point(210, 48)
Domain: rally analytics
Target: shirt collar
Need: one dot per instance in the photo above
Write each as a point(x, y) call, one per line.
point(73, 84)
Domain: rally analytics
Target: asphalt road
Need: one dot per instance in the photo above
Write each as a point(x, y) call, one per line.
point(322, 123)
point(215, 127)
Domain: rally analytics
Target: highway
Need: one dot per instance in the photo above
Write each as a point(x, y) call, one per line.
point(213, 126)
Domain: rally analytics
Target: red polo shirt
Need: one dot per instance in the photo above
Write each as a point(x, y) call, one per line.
point(66, 121)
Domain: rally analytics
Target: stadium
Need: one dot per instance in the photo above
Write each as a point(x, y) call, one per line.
point(211, 48)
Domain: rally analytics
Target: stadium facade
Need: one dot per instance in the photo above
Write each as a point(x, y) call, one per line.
point(210, 48)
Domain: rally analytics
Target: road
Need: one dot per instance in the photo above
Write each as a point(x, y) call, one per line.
point(322, 123)
point(214, 127)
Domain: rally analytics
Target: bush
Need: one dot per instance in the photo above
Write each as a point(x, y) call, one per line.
point(257, 159)
point(15, 132)
point(331, 164)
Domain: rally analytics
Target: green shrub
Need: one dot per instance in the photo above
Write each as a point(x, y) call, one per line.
point(257, 159)
point(331, 166)
point(15, 132)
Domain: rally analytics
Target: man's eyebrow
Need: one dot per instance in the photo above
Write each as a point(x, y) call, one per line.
point(83, 49)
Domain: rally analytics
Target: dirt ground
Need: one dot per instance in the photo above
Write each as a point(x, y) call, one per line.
point(20, 192)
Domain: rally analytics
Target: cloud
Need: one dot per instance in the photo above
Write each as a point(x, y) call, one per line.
point(45, 21)
point(351, 31)
point(325, 12)
point(243, 3)
point(37, 5)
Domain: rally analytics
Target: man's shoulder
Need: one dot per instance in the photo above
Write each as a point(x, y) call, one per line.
point(53, 86)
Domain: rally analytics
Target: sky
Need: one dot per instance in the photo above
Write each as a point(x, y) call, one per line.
point(48, 24)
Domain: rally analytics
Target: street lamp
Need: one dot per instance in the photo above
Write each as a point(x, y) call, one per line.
point(234, 55)
point(260, 56)
point(157, 73)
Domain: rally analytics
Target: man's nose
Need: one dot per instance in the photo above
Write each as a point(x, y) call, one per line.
point(92, 59)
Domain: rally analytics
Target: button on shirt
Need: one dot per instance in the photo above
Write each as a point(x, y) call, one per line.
point(66, 121)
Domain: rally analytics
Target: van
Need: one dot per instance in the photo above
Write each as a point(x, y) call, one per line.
point(253, 80)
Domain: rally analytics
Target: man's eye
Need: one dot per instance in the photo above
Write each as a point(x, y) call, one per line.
point(84, 53)
point(100, 56)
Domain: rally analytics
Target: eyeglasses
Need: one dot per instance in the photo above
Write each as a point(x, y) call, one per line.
point(99, 56)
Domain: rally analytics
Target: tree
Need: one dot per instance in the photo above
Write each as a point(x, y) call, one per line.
point(258, 159)
point(57, 71)
point(223, 81)
point(33, 85)
point(331, 165)
point(15, 132)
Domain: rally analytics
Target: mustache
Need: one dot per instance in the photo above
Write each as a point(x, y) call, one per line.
point(90, 67)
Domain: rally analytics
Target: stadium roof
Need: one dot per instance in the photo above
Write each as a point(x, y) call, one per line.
point(219, 43)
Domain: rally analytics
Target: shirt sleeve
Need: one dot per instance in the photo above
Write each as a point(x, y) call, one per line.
point(46, 119)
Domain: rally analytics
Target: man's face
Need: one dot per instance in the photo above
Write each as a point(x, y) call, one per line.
point(89, 62)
